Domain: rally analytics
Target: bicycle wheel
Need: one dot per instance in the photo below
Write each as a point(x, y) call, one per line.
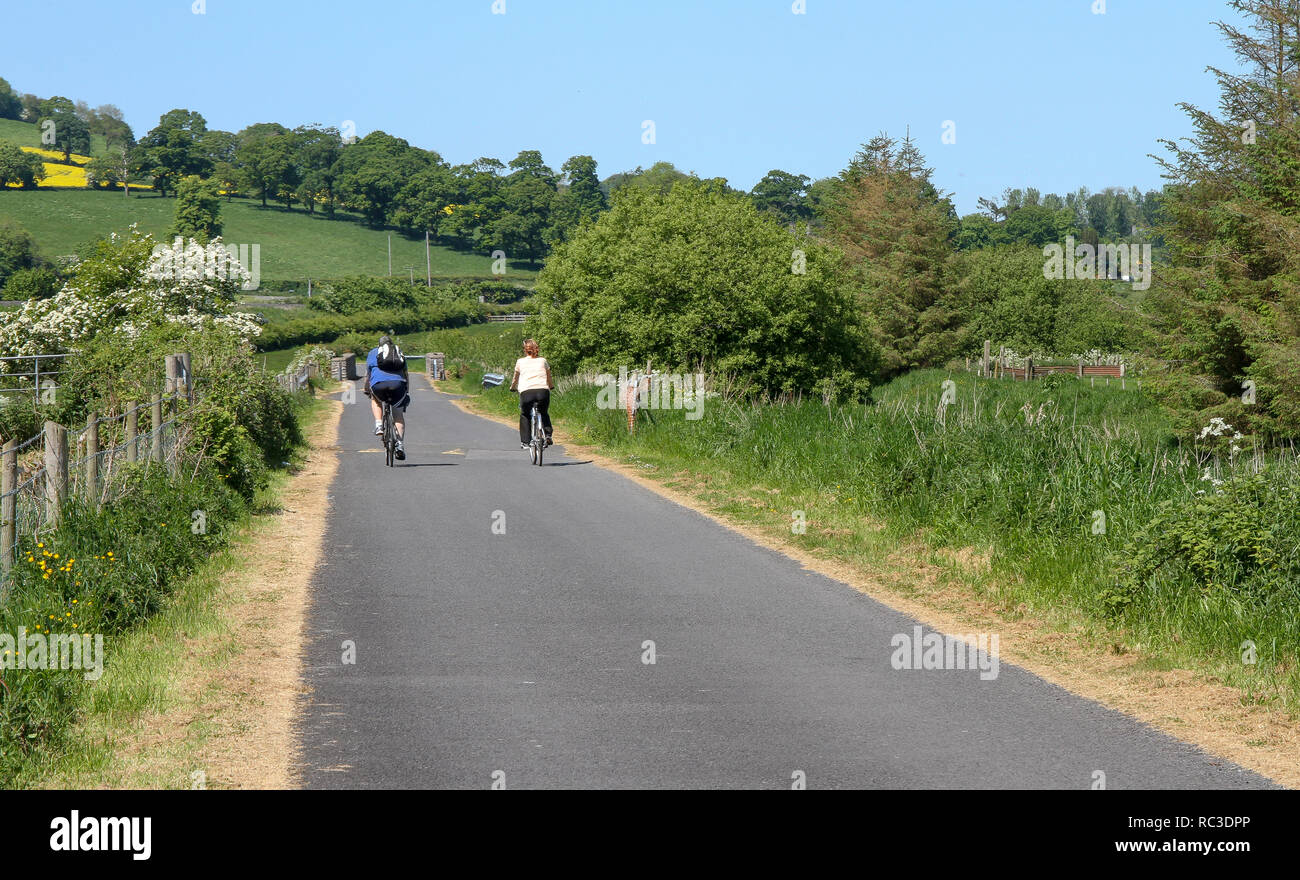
point(539, 437)
point(390, 436)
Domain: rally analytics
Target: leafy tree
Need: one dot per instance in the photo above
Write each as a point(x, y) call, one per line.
point(372, 171)
point(20, 167)
point(895, 227)
point(784, 195)
point(17, 250)
point(31, 106)
point(219, 146)
point(316, 152)
point(420, 204)
point(1002, 295)
point(1037, 225)
point(11, 106)
point(198, 209)
point(34, 283)
point(173, 149)
point(660, 177)
point(108, 170)
point(578, 201)
point(70, 131)
point(262, 158)
point(107, 121)
point(526, 197)
point(696, 276)
point(979, 231)
point(467, 219)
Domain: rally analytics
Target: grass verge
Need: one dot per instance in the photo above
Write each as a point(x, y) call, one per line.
point(203, 693)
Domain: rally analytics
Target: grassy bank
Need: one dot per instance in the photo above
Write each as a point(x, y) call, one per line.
point(113, 572)
point(1071, 504)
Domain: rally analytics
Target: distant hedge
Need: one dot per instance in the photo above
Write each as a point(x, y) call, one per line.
point(348, 296)
point(326, 327)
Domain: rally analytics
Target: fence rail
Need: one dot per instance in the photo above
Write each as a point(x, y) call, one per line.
point(994, 366)
point(40, 473)
point(41, 379)
point(509, 319)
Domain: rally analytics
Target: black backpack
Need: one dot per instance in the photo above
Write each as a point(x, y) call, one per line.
point(390, 359)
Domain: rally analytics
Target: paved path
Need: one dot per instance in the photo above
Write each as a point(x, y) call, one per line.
point(518, 656)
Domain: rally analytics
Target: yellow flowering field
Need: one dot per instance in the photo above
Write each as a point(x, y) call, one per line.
point(65, 176)
point(55, 154)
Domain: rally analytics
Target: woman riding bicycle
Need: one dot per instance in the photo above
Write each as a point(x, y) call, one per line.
point(532, 380)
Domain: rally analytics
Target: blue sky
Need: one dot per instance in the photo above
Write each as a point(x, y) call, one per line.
point(1043, 93)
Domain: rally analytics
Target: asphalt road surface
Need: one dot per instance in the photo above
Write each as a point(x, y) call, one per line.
point(499, 614)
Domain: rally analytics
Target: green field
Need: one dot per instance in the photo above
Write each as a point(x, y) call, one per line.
point(493, 346)
point(26, 134)
point(295, 246)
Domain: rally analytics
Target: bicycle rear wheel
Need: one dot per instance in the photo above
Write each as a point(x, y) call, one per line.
point(390, 436)
point(539, 437)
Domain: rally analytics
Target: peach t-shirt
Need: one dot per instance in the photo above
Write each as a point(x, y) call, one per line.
point(532, 373)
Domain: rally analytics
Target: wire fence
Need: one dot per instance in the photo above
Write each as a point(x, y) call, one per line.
point(98, 456)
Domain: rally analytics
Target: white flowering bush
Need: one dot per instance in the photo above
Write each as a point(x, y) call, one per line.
point(317, 354)
point(130, 285)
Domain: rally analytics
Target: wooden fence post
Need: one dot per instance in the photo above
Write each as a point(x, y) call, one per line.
point(988, 356)
point(156, 415)
point(56, 470)
point(8, 504)
point(132, 429)
point(1029, 368)
point(172, 365)
point(187, 378)
point(92, 457)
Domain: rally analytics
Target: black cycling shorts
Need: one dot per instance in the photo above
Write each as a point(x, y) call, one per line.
point(393, 392)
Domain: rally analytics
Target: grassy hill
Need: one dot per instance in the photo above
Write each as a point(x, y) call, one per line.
point(295, 246)
point(26, 134)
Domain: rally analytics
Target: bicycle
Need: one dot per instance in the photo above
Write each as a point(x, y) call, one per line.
point(538, 443)
point(390, 435)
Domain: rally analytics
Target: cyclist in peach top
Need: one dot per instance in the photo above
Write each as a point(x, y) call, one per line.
point(532, 380)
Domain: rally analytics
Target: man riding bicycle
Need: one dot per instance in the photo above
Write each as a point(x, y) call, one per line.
point(532, 380)
point(387, 381)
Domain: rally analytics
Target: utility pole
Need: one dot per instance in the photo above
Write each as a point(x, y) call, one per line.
point(428, 262)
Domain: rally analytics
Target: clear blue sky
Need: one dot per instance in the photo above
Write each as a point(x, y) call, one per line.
point(1043, 92)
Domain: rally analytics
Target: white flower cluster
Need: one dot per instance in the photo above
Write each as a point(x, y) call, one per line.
point(187, 283)
point(1219, 428)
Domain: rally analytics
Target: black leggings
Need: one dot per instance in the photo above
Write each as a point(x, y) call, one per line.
point(543, 398)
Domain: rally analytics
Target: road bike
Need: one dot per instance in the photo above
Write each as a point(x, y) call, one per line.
point(538, 443)
point(390, 435)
